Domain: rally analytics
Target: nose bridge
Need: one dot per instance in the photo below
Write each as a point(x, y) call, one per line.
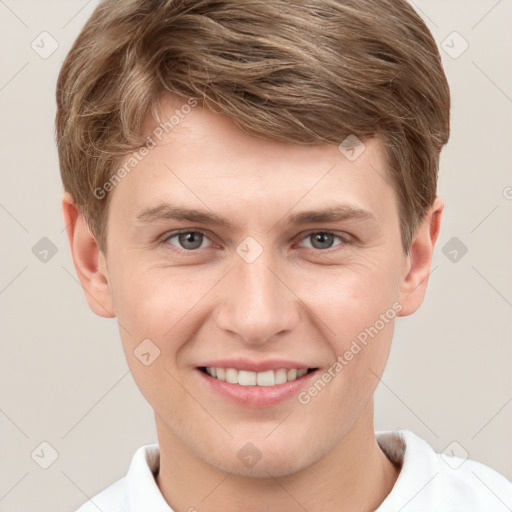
point(258, 304)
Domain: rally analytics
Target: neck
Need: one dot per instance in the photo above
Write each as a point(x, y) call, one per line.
point(354, 476)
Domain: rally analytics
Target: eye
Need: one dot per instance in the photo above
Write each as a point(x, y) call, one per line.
point(188, 240)
point(321, 240)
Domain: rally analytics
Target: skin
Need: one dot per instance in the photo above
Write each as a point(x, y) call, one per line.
point(298, 300)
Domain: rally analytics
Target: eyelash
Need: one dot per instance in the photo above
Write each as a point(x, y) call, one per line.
point(172, 234)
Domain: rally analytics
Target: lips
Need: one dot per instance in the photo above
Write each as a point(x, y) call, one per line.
point(254, 384)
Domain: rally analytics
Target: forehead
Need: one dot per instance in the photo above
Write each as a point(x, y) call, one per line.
point(203, 159)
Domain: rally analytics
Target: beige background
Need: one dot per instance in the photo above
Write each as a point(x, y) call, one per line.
point(63, 376)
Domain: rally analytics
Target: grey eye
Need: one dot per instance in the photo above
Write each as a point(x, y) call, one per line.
point(321, 240)
point(190, 240)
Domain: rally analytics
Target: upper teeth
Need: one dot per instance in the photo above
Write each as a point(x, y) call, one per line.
point(246, 378)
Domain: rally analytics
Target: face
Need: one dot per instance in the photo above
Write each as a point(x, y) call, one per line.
point(256, 259)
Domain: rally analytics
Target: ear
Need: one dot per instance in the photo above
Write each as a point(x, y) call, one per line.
point(90, 263)
point(419, 260)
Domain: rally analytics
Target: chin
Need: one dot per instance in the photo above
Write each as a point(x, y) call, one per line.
point(263, 459)
point(266, 467)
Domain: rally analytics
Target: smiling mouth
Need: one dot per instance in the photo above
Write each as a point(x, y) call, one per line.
point(248, 378)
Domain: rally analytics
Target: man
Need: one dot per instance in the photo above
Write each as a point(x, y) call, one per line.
point(251, 192)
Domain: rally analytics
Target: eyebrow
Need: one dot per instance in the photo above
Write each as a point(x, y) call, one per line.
point(164, 212)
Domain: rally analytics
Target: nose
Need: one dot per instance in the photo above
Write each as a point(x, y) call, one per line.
point(259, 306)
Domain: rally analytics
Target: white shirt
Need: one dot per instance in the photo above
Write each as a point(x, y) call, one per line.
point(427, 482)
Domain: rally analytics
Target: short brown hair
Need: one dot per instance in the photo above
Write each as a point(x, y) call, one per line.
point(302, 71)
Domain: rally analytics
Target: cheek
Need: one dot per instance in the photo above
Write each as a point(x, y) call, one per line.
point(165, 305)
point(151, 301)
point(152, 309)
point(346, 300)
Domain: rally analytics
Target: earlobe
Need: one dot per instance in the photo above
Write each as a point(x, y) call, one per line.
point(419, 260)
point(89, 261)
